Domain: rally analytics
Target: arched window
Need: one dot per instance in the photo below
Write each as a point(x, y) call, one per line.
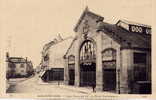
point(109, 54)
point(87, 51)
point(109, 58)
point(71, 59)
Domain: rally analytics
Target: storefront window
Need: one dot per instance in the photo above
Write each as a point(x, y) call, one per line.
point(140, 73)
point(139, 58)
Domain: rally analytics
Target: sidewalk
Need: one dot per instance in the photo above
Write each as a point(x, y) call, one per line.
point(84, 90)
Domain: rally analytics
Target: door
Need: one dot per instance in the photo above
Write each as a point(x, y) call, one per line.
point(71, 76)
point(109, 79)
point(88, 75)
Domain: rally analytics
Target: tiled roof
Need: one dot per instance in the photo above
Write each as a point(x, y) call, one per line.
point(125, 38)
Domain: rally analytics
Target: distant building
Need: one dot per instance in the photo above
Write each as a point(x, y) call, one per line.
point(18, 67)
point(52, 59)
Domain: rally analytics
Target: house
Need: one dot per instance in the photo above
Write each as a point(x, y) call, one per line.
point(18, 67)
point(52, 59)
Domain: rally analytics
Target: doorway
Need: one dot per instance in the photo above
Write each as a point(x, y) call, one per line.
point(87, 74)
point(71, 76)
point(109, 79)
point(87, 63)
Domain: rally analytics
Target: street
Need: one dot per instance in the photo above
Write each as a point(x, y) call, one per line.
point(33, 85)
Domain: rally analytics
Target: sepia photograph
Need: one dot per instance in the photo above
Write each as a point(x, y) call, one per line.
point(77, 48)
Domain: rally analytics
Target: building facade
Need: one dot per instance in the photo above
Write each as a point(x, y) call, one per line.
point(18, 67)
point(114, 57)
point(53, 59)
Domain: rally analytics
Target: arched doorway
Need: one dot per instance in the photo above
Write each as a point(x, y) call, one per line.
point(87, 64)
point(109, 69)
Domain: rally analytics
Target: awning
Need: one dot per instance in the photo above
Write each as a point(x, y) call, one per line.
point(42, 73)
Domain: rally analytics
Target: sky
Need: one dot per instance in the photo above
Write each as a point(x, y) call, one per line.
point(26, 25)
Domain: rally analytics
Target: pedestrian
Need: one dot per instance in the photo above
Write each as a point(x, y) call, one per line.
point(93, 86)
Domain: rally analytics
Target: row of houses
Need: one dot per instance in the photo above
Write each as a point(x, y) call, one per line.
point(113, 57)
point(18, 67)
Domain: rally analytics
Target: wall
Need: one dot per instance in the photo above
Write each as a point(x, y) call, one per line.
point(21, 70)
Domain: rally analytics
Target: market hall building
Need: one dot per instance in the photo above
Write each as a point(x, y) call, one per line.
point(114, 57)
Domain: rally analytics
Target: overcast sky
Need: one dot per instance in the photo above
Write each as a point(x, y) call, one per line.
point(29, 24)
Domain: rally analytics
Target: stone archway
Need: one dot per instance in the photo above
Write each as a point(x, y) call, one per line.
point(87, 63)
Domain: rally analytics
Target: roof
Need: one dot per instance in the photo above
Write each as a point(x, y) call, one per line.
point(134, 23)
point(57, 52)
point(54, 41)
point(74, 39)
point(87, 12)
point(17, 59)
point(126, 38)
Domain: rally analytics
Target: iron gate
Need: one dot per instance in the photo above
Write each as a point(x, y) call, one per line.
point(87, 78)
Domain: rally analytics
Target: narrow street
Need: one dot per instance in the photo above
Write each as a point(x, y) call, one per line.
point(32, 85)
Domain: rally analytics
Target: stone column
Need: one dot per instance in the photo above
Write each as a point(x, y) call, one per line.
point(66, 73)
point(77, 66)
point(99, 72)
point(127, 65)
point(118, 69)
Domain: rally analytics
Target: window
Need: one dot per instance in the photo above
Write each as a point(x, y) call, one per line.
point(71, 59)
point(140, 73)
point(109, 58)
point(87, 52)
point(22, 66)
point(139, 58)
point(109, 54)
point(46, 58)
point(22, 71)
point(108, 64)
point(57, 74)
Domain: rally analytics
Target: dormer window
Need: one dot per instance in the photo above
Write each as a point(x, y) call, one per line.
point(123, 25)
